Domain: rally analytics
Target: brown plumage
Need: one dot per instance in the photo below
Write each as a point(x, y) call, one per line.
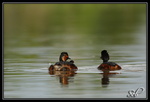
point(63, 64)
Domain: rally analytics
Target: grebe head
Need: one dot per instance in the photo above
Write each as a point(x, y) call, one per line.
point(64, 56)
point(104, 56)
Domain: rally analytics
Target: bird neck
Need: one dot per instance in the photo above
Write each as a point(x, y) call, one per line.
point(104, 61)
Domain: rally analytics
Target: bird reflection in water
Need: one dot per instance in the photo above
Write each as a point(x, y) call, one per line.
point(64, 76)
point(105, 79)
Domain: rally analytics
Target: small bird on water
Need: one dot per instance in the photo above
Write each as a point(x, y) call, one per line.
point(106, 65)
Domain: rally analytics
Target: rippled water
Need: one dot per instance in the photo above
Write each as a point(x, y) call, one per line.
point(26, 73)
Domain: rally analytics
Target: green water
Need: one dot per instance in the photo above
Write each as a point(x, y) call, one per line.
point(36, 34)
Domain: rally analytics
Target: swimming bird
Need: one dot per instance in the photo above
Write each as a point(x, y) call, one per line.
point(65, 63)
point(106, 65)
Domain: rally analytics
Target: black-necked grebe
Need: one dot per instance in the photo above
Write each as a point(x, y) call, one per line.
point(64, 63)
point(107, 65)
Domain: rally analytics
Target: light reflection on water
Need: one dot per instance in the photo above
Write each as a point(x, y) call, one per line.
point(82, 85)
point(26, 72)
point(27, 76)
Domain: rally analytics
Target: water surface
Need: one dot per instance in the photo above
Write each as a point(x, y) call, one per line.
point(26, 73)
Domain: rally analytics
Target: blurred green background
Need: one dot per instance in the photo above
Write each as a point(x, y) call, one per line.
point(48, 24)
